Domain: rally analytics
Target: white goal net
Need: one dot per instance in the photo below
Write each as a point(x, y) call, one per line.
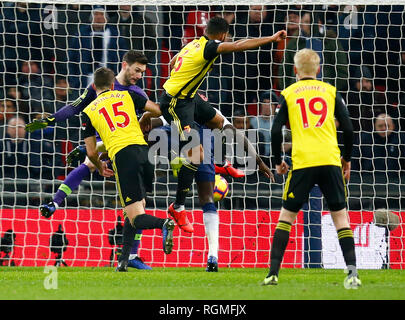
point(49, 51)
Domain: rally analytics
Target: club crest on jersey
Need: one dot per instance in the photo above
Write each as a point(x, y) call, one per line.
point(187, 129)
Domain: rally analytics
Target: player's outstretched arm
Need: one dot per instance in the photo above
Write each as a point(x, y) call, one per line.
point(248, 44)
point(250, 149)
point(38, 124)
point(65, 112)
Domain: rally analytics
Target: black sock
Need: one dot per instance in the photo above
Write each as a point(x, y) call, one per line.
point(146, 221)
point(128, 234)
point(346, 241)
point(185, 180)
point(280, 241)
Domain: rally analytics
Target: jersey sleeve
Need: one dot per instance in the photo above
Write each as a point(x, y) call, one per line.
point(87, 126)
point(276, 130)
point(77, 106)
point(210, 50)
point(345, 125)
point(139, 101)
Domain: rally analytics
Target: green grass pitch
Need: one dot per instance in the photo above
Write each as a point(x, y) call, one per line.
point(27, 283)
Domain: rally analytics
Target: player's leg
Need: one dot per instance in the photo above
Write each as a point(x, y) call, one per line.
point(333, 187)
point(180, 113)
point(129, 169)
point(78, 155)
point(296, 191)
point(280, 241)
point(205, 187)
point(71, 183)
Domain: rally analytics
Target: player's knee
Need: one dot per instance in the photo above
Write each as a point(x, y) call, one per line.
point(134, 209)
point(288, 215)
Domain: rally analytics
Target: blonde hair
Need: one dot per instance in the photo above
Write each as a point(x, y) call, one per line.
point(307, 62)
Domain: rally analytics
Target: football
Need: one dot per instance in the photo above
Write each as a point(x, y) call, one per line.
point(221, 188)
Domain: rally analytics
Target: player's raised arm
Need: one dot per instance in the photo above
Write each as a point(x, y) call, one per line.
point(277, 136)
point(250, 149)
point(248, 44)
point(173, 62)
point(345, 124)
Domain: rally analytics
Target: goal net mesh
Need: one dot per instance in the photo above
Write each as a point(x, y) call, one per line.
point(48, 53)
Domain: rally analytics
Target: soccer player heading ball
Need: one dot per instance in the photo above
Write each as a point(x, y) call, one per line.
point(311, 106)
point(189, 68)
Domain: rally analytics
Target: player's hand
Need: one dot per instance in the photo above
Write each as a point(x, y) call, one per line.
point(279, 36)
point(105, 171)
point(346, 166)
point(266, 171)
point(78, 154)
point(145, 122)
point(39, 124)
point(282, 168)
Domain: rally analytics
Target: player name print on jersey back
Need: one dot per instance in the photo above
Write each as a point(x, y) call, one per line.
point(311, 109)
point(113, 115)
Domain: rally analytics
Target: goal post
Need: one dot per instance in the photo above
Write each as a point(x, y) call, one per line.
point(49, 51)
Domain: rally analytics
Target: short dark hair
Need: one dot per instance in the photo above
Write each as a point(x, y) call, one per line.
point(217, 25)
point(133, 56)
point(103, 78)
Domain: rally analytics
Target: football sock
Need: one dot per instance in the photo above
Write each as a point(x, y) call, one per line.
point(128, 234)
point(146, 221)
point(137, 242)
point(71, 183)
point(211, 224)
point(280, 241)
point(346, 241)
point(185, 180)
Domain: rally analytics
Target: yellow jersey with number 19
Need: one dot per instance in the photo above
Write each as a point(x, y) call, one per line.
point(192, 64)
point(311, 109)
point(113, 116)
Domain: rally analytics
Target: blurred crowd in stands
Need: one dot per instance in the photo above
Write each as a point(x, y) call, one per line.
point(49, 53)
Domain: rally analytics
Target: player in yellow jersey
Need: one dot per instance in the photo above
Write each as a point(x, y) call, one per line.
point(310, 107)
point(188, 70)
point(113, 115)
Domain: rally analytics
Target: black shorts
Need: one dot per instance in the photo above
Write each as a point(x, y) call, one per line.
point(185, 112)
point(179, 111)
point(300, 183)
point(204, 111)
point(134, 173)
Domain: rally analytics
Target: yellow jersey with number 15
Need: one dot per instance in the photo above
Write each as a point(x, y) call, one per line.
point(311, 115)
point(113, 116)
point(192, 64)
